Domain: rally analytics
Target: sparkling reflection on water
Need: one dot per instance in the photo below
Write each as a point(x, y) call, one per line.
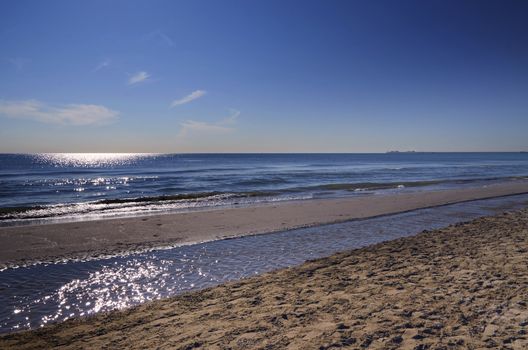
point(34, 296)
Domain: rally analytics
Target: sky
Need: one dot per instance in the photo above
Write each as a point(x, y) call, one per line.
point(263, 76)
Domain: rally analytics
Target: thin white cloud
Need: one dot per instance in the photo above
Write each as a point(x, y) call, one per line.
point(101, 65)
point(232, 119)
point(138, 77)
point(224, 126)
point(191, 97)
point(189, 126)
point(160, 37)
point(71, 114)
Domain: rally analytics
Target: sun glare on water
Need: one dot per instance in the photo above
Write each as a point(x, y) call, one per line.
point(90, 159)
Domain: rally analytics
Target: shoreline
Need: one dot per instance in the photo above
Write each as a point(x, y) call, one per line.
point(24, 245)
point(463, 286)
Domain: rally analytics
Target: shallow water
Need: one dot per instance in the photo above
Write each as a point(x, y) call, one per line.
point(34, 296)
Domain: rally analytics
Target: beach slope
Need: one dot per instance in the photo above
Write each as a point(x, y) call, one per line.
point(52, 242)
point(462, 287)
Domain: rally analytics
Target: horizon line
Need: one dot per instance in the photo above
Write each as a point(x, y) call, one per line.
point(387, 152)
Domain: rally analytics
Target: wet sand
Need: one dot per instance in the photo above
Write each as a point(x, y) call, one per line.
point(51, 242)
point(462, 287)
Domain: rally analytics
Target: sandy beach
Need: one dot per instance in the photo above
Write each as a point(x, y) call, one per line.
point(462, 287)
point(50, 242)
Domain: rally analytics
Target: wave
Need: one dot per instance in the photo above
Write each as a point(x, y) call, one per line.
point(262, 181)
point(154, 204)
point(371, 185)
point(123, 206)
point(357, 186)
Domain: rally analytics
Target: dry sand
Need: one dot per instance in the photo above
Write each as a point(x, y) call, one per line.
point(27, 244)
point(462, 287)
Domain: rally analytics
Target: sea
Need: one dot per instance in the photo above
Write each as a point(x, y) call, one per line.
point(55, 187)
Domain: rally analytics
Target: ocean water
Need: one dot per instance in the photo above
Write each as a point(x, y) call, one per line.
point(66, 187)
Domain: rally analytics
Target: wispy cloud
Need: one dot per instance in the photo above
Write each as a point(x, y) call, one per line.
point(191, 97)
point(71, 114)
point(197, 126)
point(160, 37)
point(224, 126)
point(232, 119)
point(103, 64)
point(138, 77)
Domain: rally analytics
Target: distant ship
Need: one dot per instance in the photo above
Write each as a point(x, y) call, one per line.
point(400, 152)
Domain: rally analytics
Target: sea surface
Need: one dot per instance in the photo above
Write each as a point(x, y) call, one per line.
point(37, 188)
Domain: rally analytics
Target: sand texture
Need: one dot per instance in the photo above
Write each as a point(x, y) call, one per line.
point(51, 242)
point(462, 287)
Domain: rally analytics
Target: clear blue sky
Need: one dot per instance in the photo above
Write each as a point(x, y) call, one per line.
point(263, 76)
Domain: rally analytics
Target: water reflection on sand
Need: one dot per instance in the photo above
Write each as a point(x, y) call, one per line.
point(34, 296)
